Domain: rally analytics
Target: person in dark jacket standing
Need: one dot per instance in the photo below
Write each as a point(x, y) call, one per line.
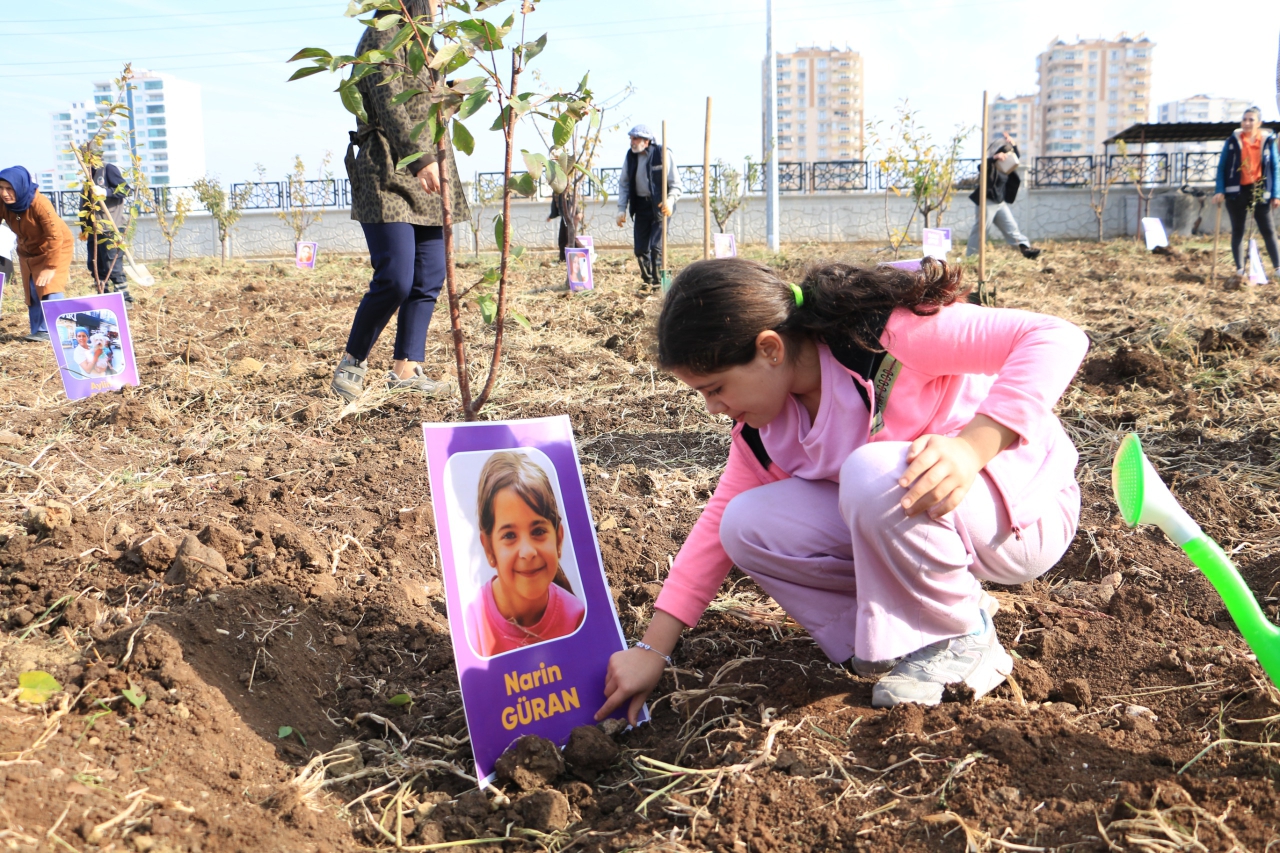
point(401, 214)
point(102, 208)
point(1247, 172)
point(1002, 190)
point(640, 191)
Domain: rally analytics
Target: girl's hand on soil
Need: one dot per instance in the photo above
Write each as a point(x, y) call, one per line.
point(632, 675)
point(941, 470)
point(635, 672)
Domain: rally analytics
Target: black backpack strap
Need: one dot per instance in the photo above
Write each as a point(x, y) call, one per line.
point(864, 362)
point(751, 436)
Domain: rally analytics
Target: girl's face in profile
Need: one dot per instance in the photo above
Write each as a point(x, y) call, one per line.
point(524, 547)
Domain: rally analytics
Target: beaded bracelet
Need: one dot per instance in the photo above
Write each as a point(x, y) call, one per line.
point(647, 647)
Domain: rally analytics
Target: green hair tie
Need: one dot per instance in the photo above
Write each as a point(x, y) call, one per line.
point(797, 293)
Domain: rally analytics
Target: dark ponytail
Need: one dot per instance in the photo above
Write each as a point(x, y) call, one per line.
point(715, 309)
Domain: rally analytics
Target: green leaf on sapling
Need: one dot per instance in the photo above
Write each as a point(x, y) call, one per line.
point(311, 53)
point(306, 72)
point(458, 61)
point(37, 686)
point(522, 320)
point(416, 59)
point(399, 40)
point(352, 101)
point(533, 162)
point(488, 307)
point(443, 55)
point(516, 252)
point(417, 130)
point(405, 161)
point(462, 139)
point(498, 229)
point(284, 732)
point(500, 122)
point(524, 184)
point(400, 700)
point(557, 177)
point(396, 100)
point(386, 22)
point(533, 48)
point(472, 103)
point(562, 130)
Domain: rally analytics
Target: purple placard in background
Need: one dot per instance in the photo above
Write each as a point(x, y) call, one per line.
point(1, 286)
point(586, 241)
point(910, 266)
point(725, 246)
point(304, 257)
point(578, 269)
point(90, 338)
point(553, 685)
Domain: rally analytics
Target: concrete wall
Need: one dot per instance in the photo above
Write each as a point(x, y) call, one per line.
point(1055, 214)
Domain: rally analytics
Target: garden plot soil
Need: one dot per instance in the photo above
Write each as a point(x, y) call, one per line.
point(232, 575)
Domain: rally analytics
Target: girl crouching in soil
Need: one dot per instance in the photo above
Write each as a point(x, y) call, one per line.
point(893, 446)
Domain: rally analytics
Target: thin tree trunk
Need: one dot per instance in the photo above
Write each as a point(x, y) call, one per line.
point(450, 282)
point(499, 318)
point(170, 263)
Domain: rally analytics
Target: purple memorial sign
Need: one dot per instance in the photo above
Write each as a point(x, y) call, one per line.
point(910, 266)
point(578, 269)
point(90, 337)
point(530, 614)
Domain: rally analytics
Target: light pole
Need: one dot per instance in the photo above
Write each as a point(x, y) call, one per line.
point(771, 136)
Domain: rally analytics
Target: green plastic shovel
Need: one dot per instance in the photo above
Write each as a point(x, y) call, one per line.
point(1145, 499)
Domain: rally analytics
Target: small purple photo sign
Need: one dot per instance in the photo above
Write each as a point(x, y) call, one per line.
point(937, 242)
point(586, 241)
point(91, 342)
point(578, 263)
point(724, 246)
point(910, 266)
point(305, 255)
point(530, 614)
point(1, 286)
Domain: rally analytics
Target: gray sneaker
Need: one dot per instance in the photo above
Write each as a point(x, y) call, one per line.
point(419, 382)
point(348, 379)
point(37, 337)
point(977, 659)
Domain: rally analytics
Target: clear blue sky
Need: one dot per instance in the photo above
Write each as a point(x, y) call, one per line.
point(940, 54)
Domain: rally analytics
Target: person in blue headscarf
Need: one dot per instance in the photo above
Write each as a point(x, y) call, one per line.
point(45, 245)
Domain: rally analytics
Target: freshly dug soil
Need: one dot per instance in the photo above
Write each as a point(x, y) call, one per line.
point(235, 579)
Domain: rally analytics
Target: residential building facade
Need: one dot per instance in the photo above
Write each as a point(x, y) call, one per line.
point(1018, 117)
point(820, 104)
point(164, 129)
point(1092, 90)
point(1200, 108)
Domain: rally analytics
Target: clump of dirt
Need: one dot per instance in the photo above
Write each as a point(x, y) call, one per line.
point(1127, 366)
point(531, 762)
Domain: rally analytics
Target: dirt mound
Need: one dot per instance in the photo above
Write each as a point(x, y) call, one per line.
point(1125, 367)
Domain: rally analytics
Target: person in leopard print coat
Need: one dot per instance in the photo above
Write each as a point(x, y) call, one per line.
point(402, 217)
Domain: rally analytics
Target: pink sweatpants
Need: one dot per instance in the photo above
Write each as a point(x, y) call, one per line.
point(865, 579)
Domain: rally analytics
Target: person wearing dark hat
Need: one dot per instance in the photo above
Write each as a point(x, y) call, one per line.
point(1002, 189)
point(45, 245)
point(640, 191)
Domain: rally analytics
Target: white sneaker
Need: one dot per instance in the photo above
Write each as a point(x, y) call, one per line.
point(976, 659)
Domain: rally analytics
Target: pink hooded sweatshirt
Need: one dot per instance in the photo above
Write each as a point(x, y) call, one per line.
point(940, 371)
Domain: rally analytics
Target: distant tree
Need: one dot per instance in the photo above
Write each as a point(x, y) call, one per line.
point(225, 208)
point(301, 214)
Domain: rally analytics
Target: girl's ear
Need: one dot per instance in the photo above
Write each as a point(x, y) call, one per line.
point(559, 538)
point(486, 542)
point(771, 347)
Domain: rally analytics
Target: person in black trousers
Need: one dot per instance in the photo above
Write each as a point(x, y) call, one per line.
point(1247, 172)
point(101, 217)
point(640, 191)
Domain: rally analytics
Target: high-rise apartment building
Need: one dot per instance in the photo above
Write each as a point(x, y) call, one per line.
point(820, 100)
point(1018, 117)
point(164, 129)
point(1091, 90)
point(1203, 108)
point(46, 181)
point(1200, 108)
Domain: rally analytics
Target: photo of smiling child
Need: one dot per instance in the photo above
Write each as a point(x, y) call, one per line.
point(529, 598)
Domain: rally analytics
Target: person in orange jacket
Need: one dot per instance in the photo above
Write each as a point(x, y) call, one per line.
point(45, 245)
